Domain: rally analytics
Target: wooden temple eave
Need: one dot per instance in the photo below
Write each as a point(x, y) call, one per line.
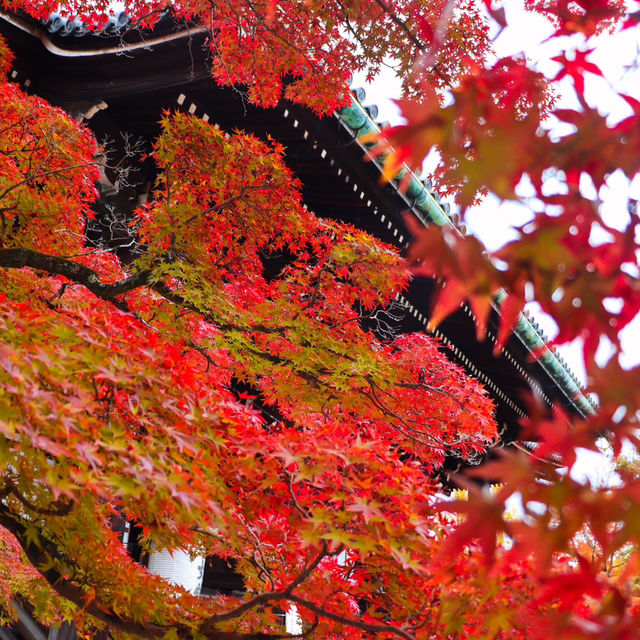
point(137, 82)
point(551, 377)
point(506, 376)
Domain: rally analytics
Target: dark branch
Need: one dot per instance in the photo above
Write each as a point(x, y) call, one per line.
point(272, 596)
point(43, 174)
point(18, 258)
point(60, 507)
point(41, 557)
point(351, 622)
point(402, 24)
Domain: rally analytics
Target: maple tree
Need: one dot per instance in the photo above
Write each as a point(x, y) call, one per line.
point(251, 415)
point(127, 392)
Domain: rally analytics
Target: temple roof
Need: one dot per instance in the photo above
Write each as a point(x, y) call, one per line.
point(430, 210)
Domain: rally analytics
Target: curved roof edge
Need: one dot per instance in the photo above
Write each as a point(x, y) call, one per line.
point(429, 210)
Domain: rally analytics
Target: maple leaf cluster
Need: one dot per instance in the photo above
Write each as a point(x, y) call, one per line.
point(306, 51)
point(232, 411)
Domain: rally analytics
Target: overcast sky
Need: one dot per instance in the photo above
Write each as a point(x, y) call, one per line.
point(494, 223)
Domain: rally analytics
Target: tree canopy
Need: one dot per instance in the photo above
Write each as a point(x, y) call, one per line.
point(257, 416)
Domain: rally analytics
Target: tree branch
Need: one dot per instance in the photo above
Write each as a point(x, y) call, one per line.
point(60, 507)
point(18, 258)
point(272, 596)
point(412, 36)
point(44, 174)
point(402, 24)
point(41, 556)
point(358, 624)
point(263, 598)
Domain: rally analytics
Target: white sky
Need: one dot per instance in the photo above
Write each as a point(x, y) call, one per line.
point(494, 223)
